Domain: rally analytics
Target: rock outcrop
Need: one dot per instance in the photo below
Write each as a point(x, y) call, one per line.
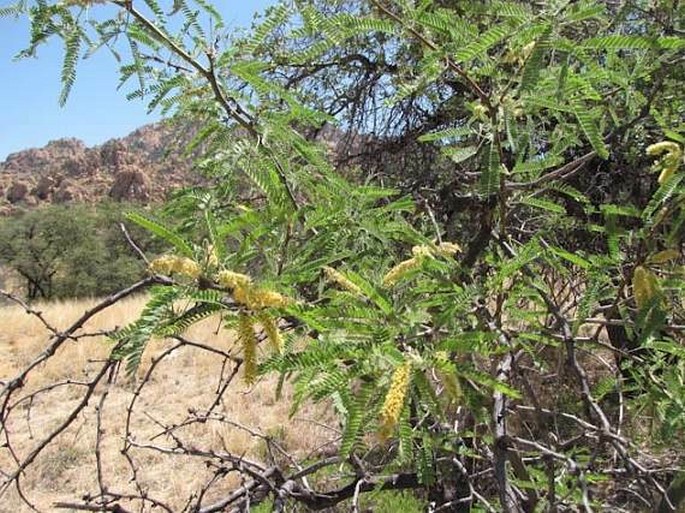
point(142, 167)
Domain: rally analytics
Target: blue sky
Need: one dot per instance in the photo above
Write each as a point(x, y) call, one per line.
point(30, 115)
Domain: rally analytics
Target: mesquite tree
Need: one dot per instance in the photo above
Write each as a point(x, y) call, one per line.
point(446, 298)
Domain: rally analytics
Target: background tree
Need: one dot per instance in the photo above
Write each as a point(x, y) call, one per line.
point(78, 251)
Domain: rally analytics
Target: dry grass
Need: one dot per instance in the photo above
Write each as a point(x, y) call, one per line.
point(187, 379)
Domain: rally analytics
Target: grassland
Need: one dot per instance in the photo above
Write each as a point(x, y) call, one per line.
point(186, 380)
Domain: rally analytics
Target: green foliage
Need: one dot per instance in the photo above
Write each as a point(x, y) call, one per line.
point(428, 332)
point(380, 502)
point(61, 252)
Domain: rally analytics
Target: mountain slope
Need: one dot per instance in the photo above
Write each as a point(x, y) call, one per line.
point(144, 166)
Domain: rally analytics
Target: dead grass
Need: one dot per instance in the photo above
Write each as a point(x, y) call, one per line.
point(187, 379)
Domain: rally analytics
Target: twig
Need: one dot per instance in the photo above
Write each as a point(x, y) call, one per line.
point(133, 245)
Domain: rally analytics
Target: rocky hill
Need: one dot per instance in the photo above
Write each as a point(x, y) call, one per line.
point(144, 166)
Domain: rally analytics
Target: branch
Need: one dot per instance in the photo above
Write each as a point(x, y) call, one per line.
point(60, 337)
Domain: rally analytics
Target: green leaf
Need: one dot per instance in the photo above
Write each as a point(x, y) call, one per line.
point(610, 209)
point(425, 470)
point(483, 43)
point(574, 258)
point(619, 41)
point(72, 46)
point(460, 154)
point(588, 124)
point(531, 71)
point(449, 133)
point(356, 414)
point(544, 204)
point(166, 234)
point(370, 291)
point(490, 176)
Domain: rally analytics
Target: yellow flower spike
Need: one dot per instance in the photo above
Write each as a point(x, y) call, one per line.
point(232, 280)
point(257, 299)
point(168, 264)
point(422, 251)
point(269, 299)
point(394, 400)
point(212, 256)
point(396, 273)
point(187, 267)
point(241, 294)
point(273, 334)
point(337, 277)
point(444, 249)
point(448, 249)
point(447, 375)
point(163, 264)
point(669, 162)
point(528, 49)
point(247, 294)
point(480, 112)
point(645, 286)
point(665, 174)
point(657, 149)
point(248, 339)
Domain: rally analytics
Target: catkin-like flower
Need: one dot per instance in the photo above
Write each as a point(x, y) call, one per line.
point(396, 273)
point(187, 267)
point(645, 286)
point(272, 299)
point(168, 264)
point(444, 249)
point(257, 299)
point(337, 277)
point(273, 334)
point(212, 256)
point(422, 251)
point(248, 339)
point(262, 298)
point(662, 147)
point(163, 264)
point(669, 162)
point(448, 249)
point(394, 400)
point(448, 377)
point(241, 294)
point(232, 280)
